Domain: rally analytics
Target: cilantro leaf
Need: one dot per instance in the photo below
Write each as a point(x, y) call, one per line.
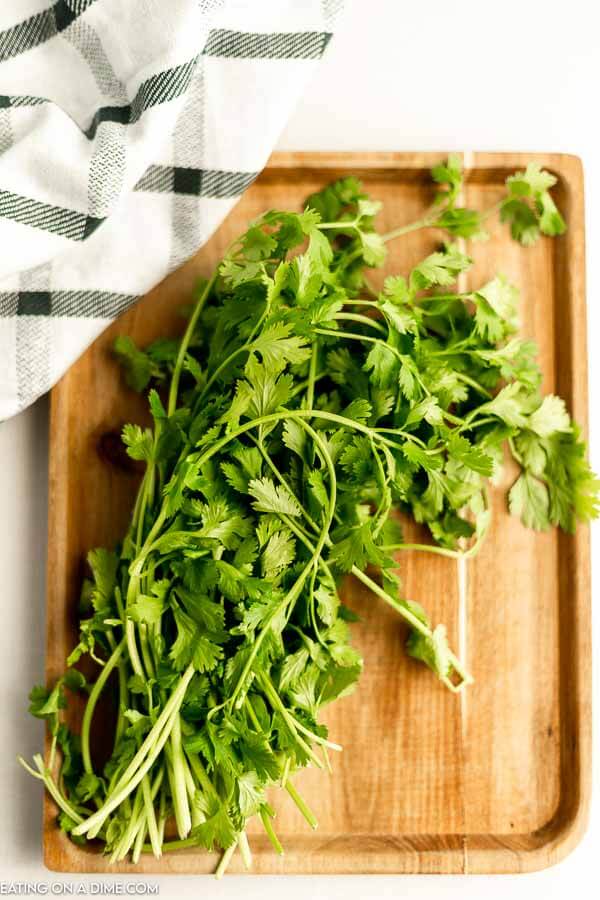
point(279, 553)
point(137, 365)
point(147, 608)
point(528, 499)
point(433, 650)
point(138, 442)
point(217, 829)
point(442, 268)
point(278, 348)
point(550, 417)
point(529, 207)
point(474, 458)
point(272, 498)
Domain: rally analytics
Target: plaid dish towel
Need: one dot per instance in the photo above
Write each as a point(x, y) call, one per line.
point(128, 129)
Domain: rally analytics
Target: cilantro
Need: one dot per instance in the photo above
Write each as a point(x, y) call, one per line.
point(302, 411)
point(529, 500)
point(217, 829)
point(529, 208)
point(146, 609)
point(138, 442)
point(278, 349)
point(432, 650)
point(550, 417)
point(44, 704)
point(138, 366)
point(278, 554)
point(441, 268)
point(448, 173)
point(272, 498)
point(103, 564)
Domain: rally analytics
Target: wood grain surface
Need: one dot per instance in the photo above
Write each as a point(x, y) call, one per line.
point(493, 780)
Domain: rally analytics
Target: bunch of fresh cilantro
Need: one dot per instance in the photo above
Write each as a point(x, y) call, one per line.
point(298, 412)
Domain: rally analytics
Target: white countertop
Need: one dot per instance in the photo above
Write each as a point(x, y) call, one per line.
point(432, 75)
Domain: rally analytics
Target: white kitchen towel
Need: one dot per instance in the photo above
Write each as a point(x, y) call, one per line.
point(128, 129)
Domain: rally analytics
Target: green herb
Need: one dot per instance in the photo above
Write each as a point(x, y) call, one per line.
point(302, 410)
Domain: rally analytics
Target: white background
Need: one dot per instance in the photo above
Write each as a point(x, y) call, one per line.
point(428, 75)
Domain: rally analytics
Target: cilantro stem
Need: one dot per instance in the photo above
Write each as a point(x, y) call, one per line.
point(289, 522)
point(136, 566)
point(200, 773)
point(140, 509)
point(145, 647)
point(352, 336)
point(301, 804)
point(169, 846)
point(51, 787)
point(225, 860)
point(362, 320)
point(153, 833)
point(473, 423)
point(433, 548)
point(52, 752)
point(286, 771)
point(290, 596)
point(416, 623)
point(31, 771)
point(323, 742)
point(122, 675)
point(406, 614)
point(457, 295)
point(278, 706)
point(304, 539)
point(372, 303)
point(385, 502)
point(245, 851)
point(425, 222)
point(401, 433)
point(134, 657)
point(91, 705)
point(139, 841)
point(162, 819)
point(466, 379)
point(180, 798)
point(341, 225)
point(271, 692)
point(311, 605)
point(129, 835)
point(310, 387)
point(142, 761)
point(185, 342)
point(332, 476)
point(268, 826)
point(252, 714)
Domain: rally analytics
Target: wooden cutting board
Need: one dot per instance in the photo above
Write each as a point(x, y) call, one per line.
point(496, 779)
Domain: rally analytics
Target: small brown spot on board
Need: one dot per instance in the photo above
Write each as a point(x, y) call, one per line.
point(111, 450)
